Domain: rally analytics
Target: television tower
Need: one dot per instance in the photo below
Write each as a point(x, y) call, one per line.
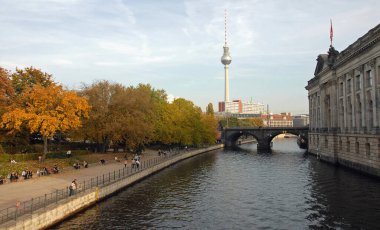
point(226, 60)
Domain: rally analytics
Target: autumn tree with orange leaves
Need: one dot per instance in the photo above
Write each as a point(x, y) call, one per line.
point(44, 108)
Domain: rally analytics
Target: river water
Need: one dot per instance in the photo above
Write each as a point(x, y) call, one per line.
point(241, 189)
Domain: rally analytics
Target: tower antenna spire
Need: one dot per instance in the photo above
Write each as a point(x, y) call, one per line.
point(225, 27)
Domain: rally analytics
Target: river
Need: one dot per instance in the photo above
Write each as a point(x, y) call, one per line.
point(241, 189)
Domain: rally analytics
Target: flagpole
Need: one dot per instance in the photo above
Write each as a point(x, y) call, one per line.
point(331, 32)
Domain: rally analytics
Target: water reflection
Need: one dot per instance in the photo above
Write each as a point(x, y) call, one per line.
point(241, 189)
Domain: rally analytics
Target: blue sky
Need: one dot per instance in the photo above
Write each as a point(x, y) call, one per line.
point(176, 45)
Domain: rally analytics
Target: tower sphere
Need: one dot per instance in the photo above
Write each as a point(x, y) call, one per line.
point(226, 58)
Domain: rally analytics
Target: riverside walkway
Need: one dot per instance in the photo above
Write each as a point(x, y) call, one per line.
point(39, 203)
point(23, 190)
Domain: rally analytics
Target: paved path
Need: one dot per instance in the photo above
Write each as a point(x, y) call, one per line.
point(25, 190)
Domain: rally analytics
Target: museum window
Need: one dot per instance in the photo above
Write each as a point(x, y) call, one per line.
point(348, 146)
point(357, 147)
point(349, 85)
point(326, 142)
point(340, 144)
point(341, 89)
point(367, 149)
point(349, 105)
point(358, 82)
point(369, 78)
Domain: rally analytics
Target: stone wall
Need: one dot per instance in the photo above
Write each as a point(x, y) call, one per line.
point(361, 152)
point(55, 213)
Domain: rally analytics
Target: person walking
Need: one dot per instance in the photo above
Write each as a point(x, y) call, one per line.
point(73, 187)
point(68, 153)
point(125, 163)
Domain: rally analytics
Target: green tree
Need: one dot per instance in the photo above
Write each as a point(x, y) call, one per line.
point(25, 79)
point(118, 115)
point(210, 109)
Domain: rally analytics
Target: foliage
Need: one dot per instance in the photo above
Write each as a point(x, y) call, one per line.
point(210, 109)
point(246, 122)
point(118, 115)
point(6, 89)
point(104, 114)
point(25, 79)
point(43, 107)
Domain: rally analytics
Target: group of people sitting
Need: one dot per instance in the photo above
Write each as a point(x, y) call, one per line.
point(43, 171)
point(77, 165)
point(13, 176)
point(27, 174)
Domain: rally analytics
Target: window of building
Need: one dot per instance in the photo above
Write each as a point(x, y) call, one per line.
point(341, 89)
point(348, 146)
point(349, 105)
point(358, 82)
point(359, 109)
point(340, 144)
point(367, 148)
point(326, 142)
point(349, 85)
point(357, 147)
point(369, 78)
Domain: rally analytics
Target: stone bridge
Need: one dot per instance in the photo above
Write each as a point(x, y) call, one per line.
point(264, 135)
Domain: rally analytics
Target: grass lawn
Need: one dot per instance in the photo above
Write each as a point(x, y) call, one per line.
point(6, 167)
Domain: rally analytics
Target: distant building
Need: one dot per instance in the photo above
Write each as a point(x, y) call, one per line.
point(301, 120)
point(237, 106)
point(253, 108)
point(278, 120)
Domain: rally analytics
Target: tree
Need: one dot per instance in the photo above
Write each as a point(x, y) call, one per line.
point(6, 94)
point(6, 90)
point(46, 110)
point(25, 79)
point(210, 109)
point(119, 115)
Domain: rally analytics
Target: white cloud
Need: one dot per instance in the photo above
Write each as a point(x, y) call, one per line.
point(62, 62)
point(177, 46)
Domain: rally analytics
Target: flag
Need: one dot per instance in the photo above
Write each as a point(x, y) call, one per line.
point(331, 32)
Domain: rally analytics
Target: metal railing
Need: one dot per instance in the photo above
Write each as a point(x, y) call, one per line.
point(41, 202)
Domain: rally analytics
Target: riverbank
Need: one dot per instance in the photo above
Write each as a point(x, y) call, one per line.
point(58, 206)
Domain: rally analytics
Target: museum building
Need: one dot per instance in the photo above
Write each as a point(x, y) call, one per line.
point(344, 105)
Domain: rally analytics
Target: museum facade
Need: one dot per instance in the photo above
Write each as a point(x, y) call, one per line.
point(344, 105)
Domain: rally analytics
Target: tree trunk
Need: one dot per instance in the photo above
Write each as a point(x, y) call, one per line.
point(45, 147)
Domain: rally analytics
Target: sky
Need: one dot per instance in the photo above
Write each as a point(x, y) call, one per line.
point(176, 45)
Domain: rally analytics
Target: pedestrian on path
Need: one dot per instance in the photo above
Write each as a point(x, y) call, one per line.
point(73, 187)
point(68, 153)
point(125, 163)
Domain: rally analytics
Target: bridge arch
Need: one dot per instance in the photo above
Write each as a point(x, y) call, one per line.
point(264, 136)
point(234, 137)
